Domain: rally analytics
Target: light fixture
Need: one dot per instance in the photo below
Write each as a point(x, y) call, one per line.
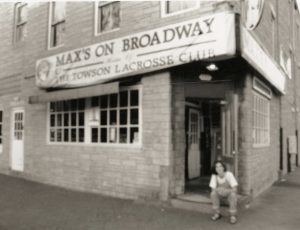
point(205, 77)
point(212, 67)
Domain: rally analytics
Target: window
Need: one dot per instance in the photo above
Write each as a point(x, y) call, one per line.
point(20, 21)
point(107, 16)
point(1, 128)
point(119, 118)
point(262, 88)
point(298, 35)
point(57, 23)
point(107, 119)
point(67, 121)
point(261, 120)
point(274, 32)
point(177, 7)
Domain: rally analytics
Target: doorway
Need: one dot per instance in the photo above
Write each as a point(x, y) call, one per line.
point(211, 134)
point(17, 140)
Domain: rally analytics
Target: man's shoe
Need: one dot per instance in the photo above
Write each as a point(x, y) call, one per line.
point(233, 219)
point(216, 216)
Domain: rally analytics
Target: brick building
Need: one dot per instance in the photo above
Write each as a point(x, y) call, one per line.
point(137, 99)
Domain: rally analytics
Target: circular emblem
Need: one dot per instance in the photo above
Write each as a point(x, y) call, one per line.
point(253, 12)
point(43, 70)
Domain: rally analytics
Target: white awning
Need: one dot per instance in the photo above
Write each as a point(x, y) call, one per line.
point(68, 94)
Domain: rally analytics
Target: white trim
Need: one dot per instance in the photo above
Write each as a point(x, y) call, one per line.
point(266, 144)
point(163, 9)
point(96, 15)
point(12, 129)
point(16, 24)
point(255, 87)
point(49, 47)
point(87, 127)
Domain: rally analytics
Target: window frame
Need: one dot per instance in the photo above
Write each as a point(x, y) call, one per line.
point(257, 94)
point(96, 17)
point(88, 127)
point(50, 19)
point(163, 9)
point(21, 24)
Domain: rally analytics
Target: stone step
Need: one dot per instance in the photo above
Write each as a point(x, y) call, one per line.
point(202, 203)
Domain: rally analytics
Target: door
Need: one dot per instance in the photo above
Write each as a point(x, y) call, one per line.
point(193, 144)
point(230, 132)
point(17, 140)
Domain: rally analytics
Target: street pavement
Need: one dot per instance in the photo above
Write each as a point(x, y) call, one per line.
point(26, 205)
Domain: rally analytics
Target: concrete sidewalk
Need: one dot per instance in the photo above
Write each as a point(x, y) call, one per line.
point(28, 205)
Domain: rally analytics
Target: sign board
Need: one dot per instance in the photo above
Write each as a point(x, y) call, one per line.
point(260, 59)
point(210, 37)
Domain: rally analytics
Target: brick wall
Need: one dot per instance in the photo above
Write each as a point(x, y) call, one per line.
point(133, 172)
point(258, 166)
point(284, 12)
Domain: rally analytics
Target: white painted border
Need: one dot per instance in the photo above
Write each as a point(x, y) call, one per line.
point(96, 15)
point(114, 145)
point(269, 120)
point(50, 8)
point(163, 9)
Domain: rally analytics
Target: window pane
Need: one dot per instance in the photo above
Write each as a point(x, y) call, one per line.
point(59, 106)
point(123, 135)
point(112, 134)
point(59, 119)
point(95, 101)
point(58, 31)
point(59, 135)
point(94, 135)
point(123, 98)
point(81, 118)
point(113, 117)
point(73, 105)
point(21, 32)
point(22, 14)
point(103, 115)
point(73, 119)
point(52, 135)
point(52, 120)
point(66, 106)
point(66, 135)
point(73, 135)
point(81, 135)
point(59, 13)
point(134, 116)
point(134, 97)
point(66, 119)
point(113, 102)
point(52, 106)
point(103, 135)
point(123, 117)
point(109, 16)
point(81, 104)
point(176, 6)
point(104, 102)
point(134, 135)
